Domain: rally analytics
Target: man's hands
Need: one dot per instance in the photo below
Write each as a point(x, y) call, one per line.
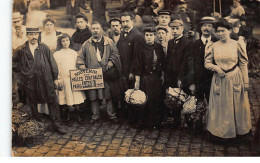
point(82, 67)
point(110, 64)
point(131, 76)
point(137, 82)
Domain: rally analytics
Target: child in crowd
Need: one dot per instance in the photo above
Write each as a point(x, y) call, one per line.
point(66, 60)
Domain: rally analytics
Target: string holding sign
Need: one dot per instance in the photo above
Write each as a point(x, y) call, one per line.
point(86, 79)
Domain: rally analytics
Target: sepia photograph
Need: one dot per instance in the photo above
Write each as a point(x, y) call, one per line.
point(135, 78)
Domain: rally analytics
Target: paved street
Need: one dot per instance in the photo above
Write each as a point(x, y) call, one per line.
point(107, 139)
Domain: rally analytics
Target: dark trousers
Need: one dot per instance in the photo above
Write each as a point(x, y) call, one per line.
point(53, 110)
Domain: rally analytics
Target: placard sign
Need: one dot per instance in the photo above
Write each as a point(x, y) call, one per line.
point(86, 79)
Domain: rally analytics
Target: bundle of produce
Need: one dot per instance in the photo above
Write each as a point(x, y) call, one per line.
point(175, 98)
point(135, 97)
point(19, 116)
point(197, 120)
point(31, 130)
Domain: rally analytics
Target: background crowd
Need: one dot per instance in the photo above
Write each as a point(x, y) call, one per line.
point(149, 45)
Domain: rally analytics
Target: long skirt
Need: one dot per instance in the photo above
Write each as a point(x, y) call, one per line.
point(229, 109)
point(151, 85)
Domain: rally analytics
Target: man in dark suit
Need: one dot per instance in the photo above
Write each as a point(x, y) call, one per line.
point(129, 38)
point(178, 68)
point(202, 76)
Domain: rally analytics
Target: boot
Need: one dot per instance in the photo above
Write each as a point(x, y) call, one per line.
point(57, 128)
point(79, 119)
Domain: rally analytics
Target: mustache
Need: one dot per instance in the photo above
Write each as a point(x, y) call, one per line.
point(126, 26)
point(206, 30)
point(34, 39)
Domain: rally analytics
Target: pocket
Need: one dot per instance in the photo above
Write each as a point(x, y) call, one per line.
point(237, 88)
point(216, 88)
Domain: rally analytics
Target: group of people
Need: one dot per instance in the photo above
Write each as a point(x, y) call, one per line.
point(206, 63)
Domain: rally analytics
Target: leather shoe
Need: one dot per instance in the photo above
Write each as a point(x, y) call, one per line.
point(58, 129)
point(115, 120)
point(92, 121)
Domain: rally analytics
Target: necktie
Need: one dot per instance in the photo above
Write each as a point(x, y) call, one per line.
point(98, 55)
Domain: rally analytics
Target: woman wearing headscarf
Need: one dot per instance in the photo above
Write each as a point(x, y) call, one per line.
point(229, 109)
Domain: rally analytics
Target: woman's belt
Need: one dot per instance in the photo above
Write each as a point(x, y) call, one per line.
point(232, 69)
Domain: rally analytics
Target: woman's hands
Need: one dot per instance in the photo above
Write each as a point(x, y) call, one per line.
point(220, 72)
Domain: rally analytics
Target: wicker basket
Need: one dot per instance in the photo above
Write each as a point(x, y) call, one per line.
point(19, 116)
point(136, 105)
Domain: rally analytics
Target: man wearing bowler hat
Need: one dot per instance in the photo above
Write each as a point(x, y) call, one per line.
point(38, 71)
point(178, 66)
point(202, 76)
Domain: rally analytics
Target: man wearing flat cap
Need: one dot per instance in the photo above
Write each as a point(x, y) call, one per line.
point(164, 18)
point(38, 70)
point(202, 76)
point(115, 29)
point(178, 68)
point(182, 12)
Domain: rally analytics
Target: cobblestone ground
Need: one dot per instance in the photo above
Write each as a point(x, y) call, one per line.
point(107, 139)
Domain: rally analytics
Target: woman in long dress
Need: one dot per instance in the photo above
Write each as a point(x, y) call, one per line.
point(229, 109)
point(149, 61)
point(66, 60)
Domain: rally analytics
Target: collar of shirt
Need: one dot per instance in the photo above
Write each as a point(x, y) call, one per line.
point(96, 41)
point(176, 40)
point(33, 47)
point(128, 30)
point(203, 39)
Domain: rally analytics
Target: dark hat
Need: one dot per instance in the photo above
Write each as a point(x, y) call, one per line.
point(162, 28)
point(207, 19)
point(81, 15)
point(111, 74)
point(115, 19)
point(164, 12)
point(181, 1)
point(176, 23)
point(32, 29)
point(149, 28)
point(222, 23)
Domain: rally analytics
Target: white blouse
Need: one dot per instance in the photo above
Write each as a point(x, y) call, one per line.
point(226, 56)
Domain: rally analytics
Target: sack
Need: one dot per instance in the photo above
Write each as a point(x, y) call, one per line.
point(189, 106)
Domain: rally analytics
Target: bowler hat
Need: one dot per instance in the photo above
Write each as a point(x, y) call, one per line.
point(207, 19)
point(176, 23)
point(32, 29)
point(17, 16)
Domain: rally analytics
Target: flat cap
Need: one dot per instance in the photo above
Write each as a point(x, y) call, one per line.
point(181, 1)
point(164, 12)
point(176, 23)
point(115, 19)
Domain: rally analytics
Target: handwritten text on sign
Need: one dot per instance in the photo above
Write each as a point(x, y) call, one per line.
point(86, 79)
